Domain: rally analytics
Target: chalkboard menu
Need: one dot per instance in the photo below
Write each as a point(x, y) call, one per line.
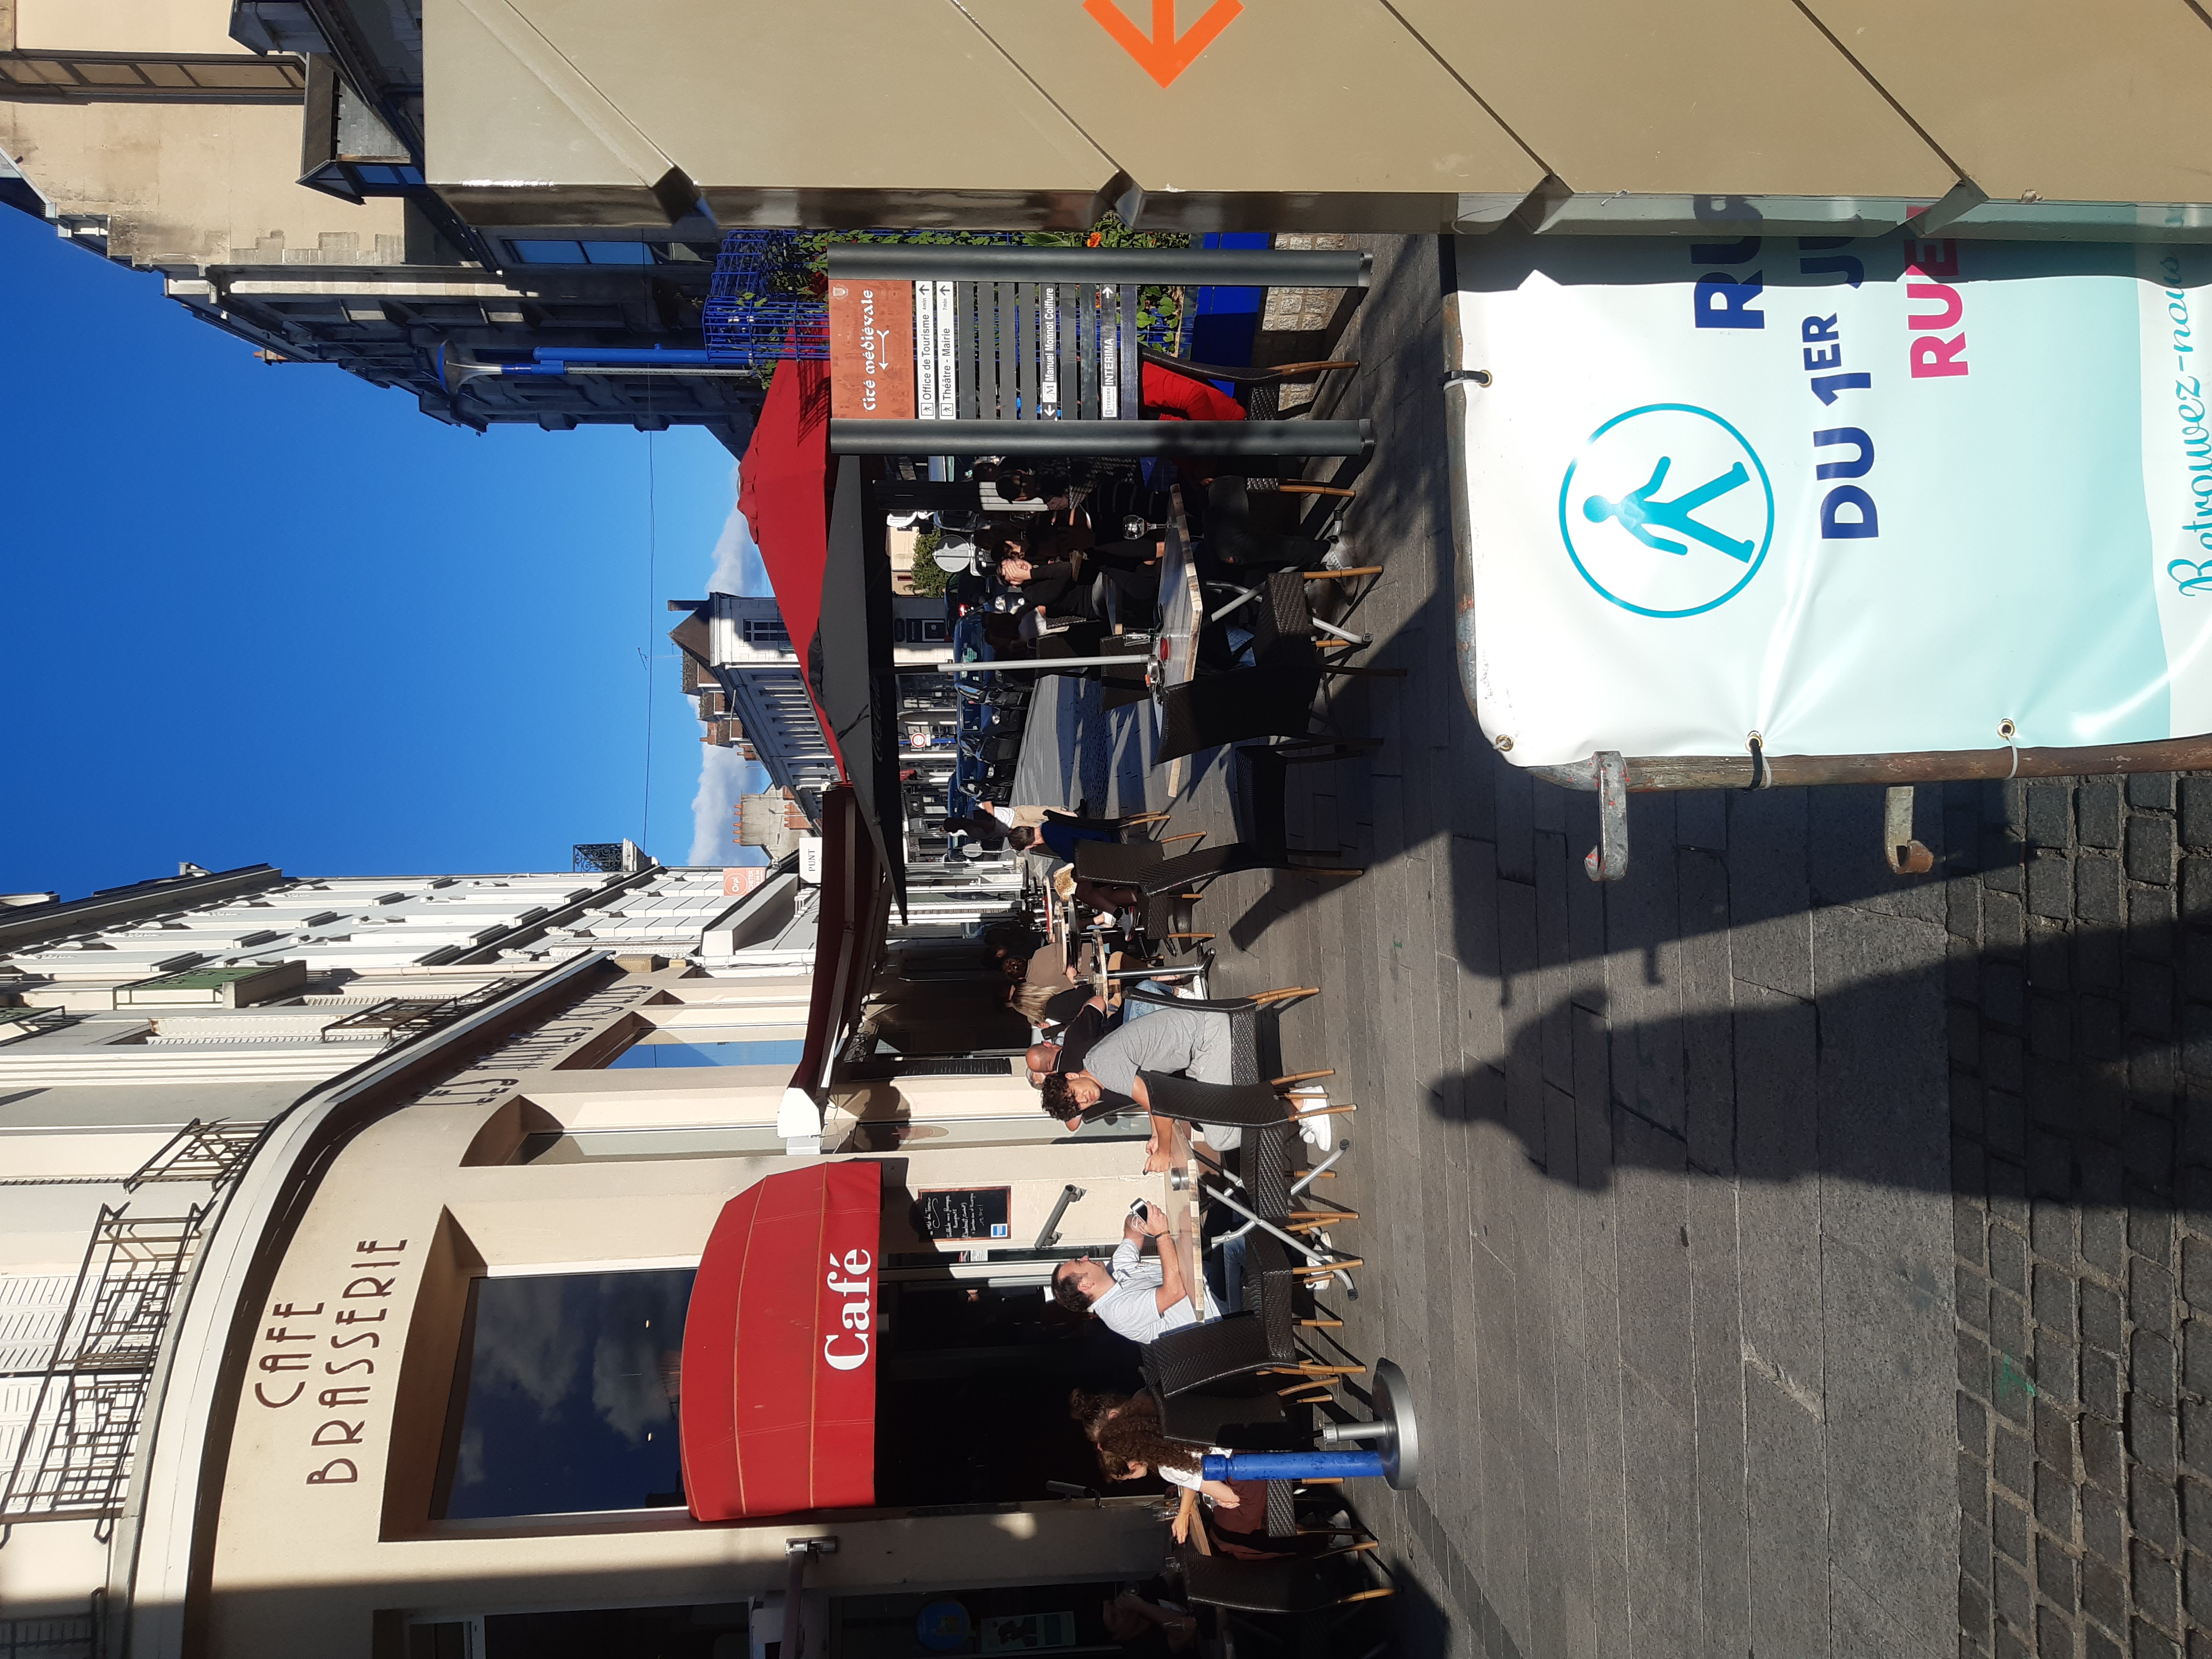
point(965, 1212)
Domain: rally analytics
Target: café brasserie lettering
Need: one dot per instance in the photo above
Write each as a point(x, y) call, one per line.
point(342, 1336)
point(311, 1345)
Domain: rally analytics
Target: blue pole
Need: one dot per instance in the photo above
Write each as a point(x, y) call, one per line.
point(1293, 1466)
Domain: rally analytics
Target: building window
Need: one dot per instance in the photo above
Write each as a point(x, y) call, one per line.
point(565, 1397)
point(547, 253)
point(766, 631)
point(649, 1053)
point(377, 179)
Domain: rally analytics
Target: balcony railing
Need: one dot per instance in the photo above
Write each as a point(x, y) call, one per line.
point(402, 1017)
point(74, 1460)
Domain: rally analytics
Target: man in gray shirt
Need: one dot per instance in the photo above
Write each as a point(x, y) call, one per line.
point(1196, 1041)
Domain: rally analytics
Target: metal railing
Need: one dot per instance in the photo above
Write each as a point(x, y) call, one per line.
point(72, 1636)
point(597, 857)
point(402, 1017)
point(212, 1152)
point(74, 1460)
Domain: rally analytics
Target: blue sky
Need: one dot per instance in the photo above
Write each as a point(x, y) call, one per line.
point(252, 612)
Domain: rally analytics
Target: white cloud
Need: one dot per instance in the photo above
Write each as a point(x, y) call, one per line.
point(738, 568)
point(724, 774)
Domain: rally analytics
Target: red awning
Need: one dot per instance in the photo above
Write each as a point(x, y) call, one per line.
point(779, 1400)
point(783, 490)
point(849, 922)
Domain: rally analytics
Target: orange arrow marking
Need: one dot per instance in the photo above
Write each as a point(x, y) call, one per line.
point(1163, 56)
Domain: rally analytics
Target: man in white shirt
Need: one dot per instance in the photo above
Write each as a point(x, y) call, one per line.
point(1135, 1296)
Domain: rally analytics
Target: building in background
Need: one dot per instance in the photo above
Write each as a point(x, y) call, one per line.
point(737, 645)
point(773, 822)
point(379, 1258)
point(265, 159)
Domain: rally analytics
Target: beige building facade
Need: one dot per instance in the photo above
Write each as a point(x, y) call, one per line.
point(388, 1357)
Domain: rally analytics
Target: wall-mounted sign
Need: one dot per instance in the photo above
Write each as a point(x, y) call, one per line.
point(965, 1212)
point(871, 350)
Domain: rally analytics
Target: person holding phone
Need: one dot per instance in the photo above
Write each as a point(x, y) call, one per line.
point(1133, 1295)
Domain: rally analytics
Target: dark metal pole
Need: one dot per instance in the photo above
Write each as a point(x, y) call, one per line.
point(1232, 267)
point(1236, 439)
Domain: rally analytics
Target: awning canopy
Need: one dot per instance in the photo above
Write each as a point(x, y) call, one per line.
point(860, 671)
point(850, 919)
point(831, 572)
point(778, 1408)
point(783, 490)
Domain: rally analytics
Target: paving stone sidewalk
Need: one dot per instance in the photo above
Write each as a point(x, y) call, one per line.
point(1790, 1259)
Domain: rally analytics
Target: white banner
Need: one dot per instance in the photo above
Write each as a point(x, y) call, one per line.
point(1868, 496)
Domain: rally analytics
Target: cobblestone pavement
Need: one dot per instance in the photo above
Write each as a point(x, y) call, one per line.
point(1790, 1260)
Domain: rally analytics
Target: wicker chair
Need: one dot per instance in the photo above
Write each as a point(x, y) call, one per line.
point(1235, 1105)
point(1243, 1418)
point(1255, 1051)
point(1244, 703)
point(1185, 871)
point(1219, 1353)
point(1263, 779)
point(1290, 1583)
point(1261, 530)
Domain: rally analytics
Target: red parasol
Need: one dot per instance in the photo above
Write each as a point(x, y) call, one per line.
point(783, 490)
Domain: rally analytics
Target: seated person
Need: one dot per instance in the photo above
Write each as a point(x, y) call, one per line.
point(1063, 587)
point(1196, 1041)
point(1059, 836)
point(1148, 1625)
point(1052, 585)
point(1126, 1429)
point(1077, 1028)
point(1135, 1296)
point(1081, 1019)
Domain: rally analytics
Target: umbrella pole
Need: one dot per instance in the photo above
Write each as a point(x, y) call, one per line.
point(1035, 666)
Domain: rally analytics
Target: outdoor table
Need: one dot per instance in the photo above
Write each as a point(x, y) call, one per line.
point(1182, 601)
point(1178, 1200)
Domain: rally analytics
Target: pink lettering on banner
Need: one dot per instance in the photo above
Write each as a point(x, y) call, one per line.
point(1931, 355)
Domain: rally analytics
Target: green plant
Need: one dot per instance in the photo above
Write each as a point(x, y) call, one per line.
point(929, 578)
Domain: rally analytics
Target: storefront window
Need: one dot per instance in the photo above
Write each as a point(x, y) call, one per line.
point(765, 1052)
point(565, 1398)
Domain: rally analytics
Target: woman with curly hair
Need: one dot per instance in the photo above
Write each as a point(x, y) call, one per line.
point(1126, 1429)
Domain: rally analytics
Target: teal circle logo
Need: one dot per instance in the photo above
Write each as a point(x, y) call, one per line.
point(1667, 511)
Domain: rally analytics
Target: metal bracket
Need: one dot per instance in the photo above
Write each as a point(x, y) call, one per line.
point(1050, 1236)
point(797, 1553)
point(1907, 857)
point(1608, 860)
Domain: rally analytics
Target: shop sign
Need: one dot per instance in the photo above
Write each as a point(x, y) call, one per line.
point(871, 350)
point(320, 1361)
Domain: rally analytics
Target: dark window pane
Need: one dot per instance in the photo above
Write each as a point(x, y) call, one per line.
point(570, 1384)
point(775, 1052)
point(618, 253)
point(549, 253)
